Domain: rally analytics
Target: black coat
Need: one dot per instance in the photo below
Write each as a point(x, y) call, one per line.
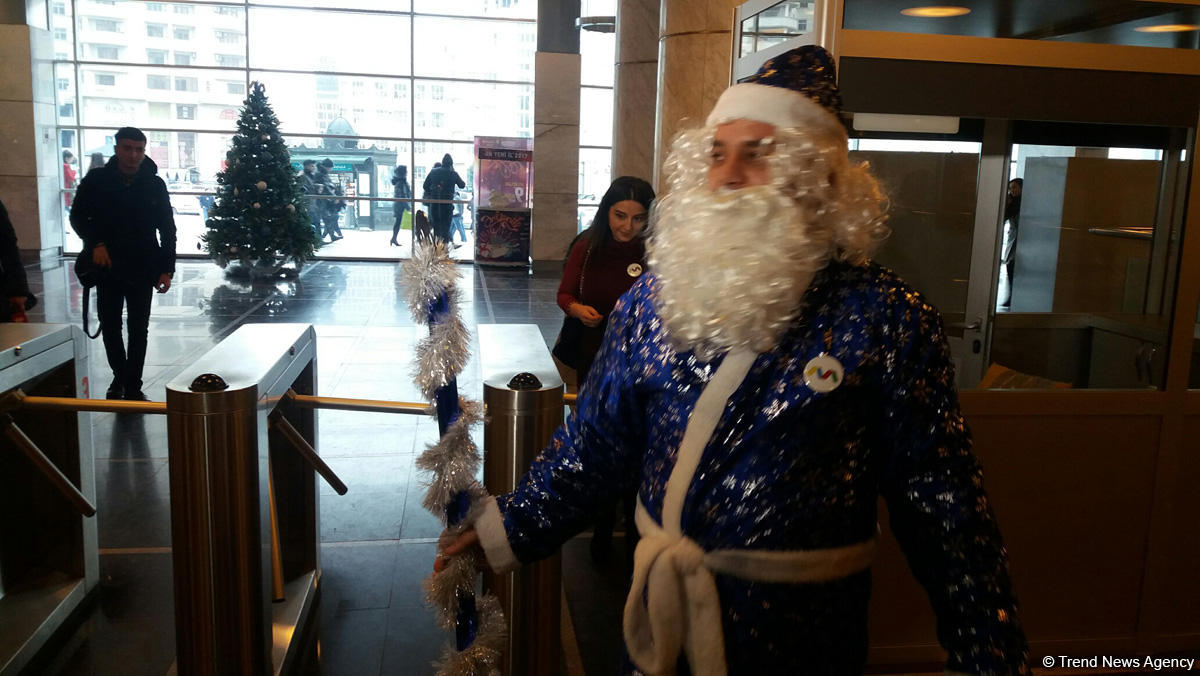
point(13, 282)
point(439, 185)
point(133, 221)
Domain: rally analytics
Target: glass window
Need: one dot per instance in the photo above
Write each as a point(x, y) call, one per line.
point(586, 214)
point(471, 109)
point(598, 58)
point(111, 52)
point(104, 106)
point(158, 82)
point(185, 58)
point(185, 111)
point(182, 33)
point(106, 25)
point(65, 97)
point(187, 161)
point(380, 41)
point(60, 34)
point(235, 87)
point(231, 60)
point(595, 117)
point(59, 8)
point(595, 173)
point(379, 5)
point(309, 103)
point(183, 9)
point(156, 57)
point(480, 49)
point(155, 7)
point(106, 79)
point(511, 9)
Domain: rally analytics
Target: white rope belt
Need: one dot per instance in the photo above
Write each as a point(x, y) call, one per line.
point(682, 609)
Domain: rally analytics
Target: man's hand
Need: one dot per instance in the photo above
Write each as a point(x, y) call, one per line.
point(586, 314)
point(100, 256)
point(164, 282)
point(468, 540)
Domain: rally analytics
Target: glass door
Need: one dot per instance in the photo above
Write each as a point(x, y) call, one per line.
point(931, 186)
point(1089, 251)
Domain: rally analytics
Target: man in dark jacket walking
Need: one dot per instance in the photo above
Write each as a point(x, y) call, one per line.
point(123, 214)
point(439, 185)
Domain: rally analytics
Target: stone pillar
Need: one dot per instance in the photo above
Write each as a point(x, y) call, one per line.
point(635, 88)
point(695, 53)
point(31, 170)
point(555, 131)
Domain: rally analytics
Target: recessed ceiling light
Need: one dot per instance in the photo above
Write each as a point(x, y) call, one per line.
point(936, 12)
point(1168, 28)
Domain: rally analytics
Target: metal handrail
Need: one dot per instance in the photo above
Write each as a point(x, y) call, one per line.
point(307, 452)
point(376, 405)
point(18, 399)
point(47, 467)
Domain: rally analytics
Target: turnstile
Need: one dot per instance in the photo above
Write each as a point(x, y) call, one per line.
point(523, 393)
point(233, 435)
point(49, 560)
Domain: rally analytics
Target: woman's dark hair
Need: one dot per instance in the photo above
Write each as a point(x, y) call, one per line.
point(400, 174)
point(623, 188)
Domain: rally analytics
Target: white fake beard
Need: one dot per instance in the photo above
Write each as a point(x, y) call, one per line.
point(732, 266)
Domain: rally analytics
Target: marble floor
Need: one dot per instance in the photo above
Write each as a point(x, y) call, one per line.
point(377, 543)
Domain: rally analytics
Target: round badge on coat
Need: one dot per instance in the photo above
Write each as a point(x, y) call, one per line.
point(634, 269)
point(823, 373)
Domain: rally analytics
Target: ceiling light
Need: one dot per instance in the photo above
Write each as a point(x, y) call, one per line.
point(1168, 28)
point(935, 12)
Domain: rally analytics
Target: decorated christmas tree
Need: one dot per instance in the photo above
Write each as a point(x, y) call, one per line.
point(260, 217)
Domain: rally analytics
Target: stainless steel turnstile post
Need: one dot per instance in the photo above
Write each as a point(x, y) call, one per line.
point(49, 560)
point(522, 415)
point(224, 451)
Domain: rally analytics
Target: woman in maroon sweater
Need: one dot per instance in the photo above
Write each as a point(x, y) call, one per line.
point(604, 261)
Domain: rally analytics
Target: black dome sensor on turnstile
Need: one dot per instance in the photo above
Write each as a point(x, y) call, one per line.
point(208, 382)
point(524, 381)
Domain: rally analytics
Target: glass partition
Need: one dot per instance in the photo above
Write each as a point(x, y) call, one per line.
point(1084, 281)
point(319, 41)
point(341, 77)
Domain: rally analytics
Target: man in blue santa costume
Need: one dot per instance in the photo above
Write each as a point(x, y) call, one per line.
point(765, 383)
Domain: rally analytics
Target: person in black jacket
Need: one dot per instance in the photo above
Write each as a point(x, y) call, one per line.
point(123, 214)
point(13, 283)
point(439, 185)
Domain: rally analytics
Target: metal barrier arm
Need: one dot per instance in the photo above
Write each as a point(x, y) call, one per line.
point(308, 453)
point(47, 467)
point(14, 399)
point(376, 405)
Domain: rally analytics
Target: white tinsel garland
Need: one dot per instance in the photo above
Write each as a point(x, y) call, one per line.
point(443, 353)
point(426, 275)
point(453, 461)
point(481, 658)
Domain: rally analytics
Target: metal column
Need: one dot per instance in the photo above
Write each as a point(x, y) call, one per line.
point(223, 453)
point(522, 414)
point(49, 560)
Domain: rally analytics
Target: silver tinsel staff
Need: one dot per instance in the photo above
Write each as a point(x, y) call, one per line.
point(454, 460)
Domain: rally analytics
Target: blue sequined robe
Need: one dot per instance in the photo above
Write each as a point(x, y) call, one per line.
point(788, 468)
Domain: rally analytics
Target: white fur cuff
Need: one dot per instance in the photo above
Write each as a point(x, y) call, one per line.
point(490, 527)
